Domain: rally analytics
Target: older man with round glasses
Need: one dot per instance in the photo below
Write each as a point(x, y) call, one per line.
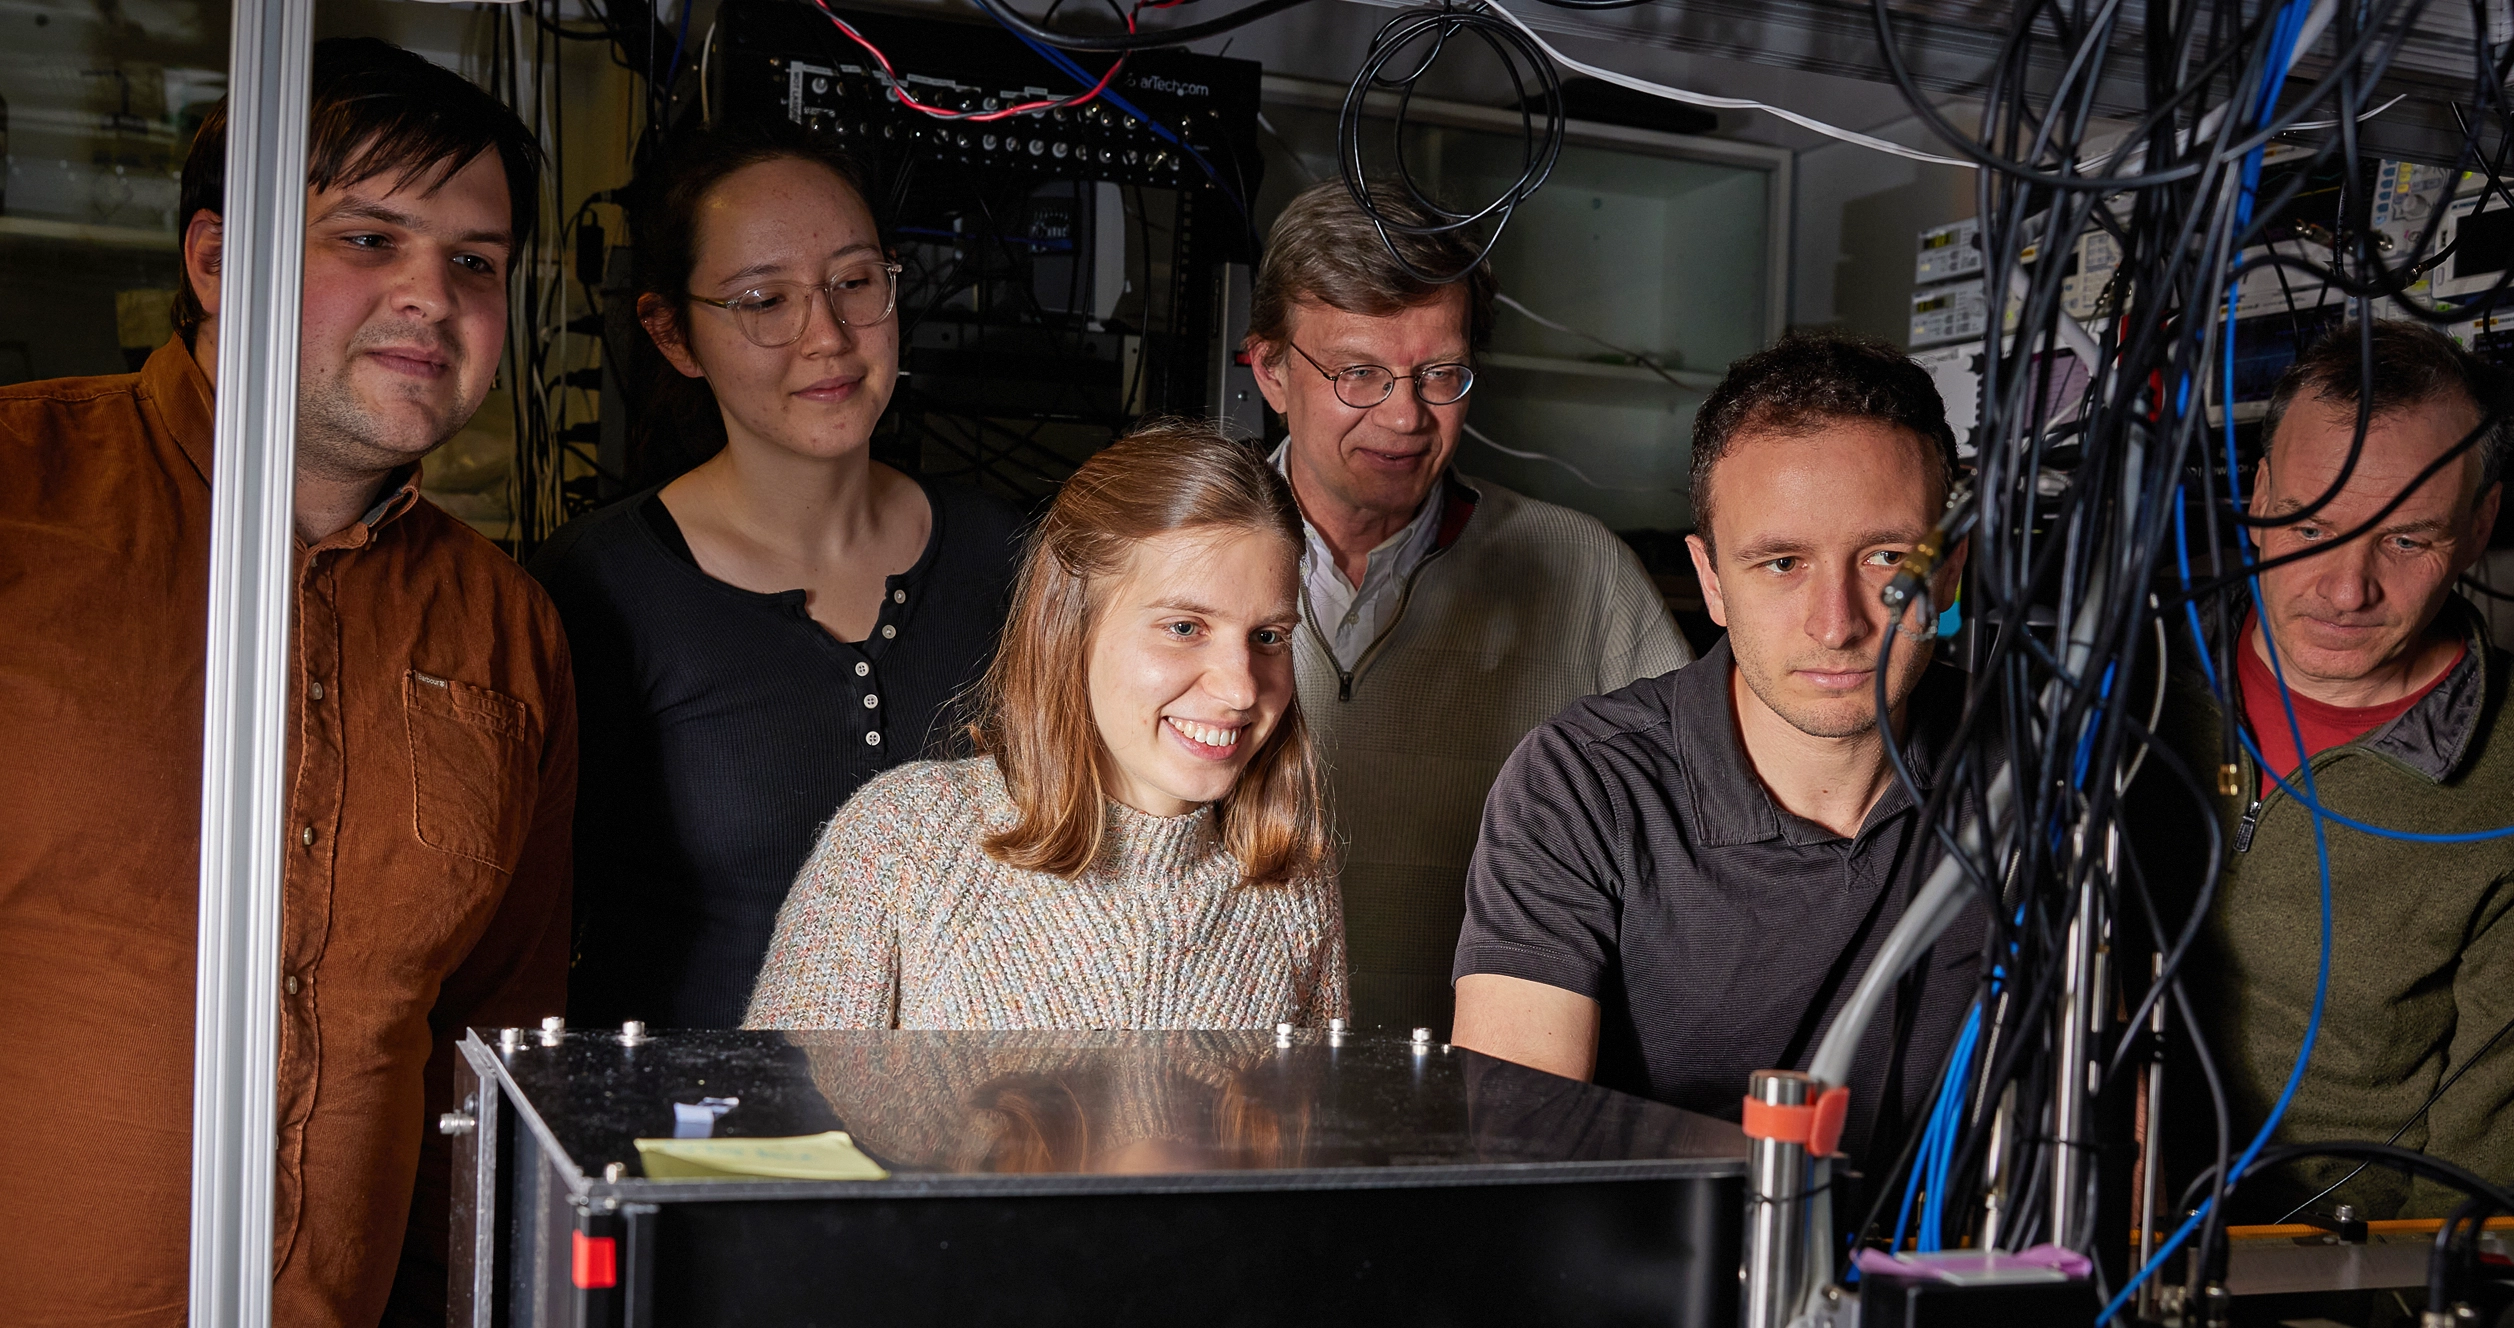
point(1443, 617)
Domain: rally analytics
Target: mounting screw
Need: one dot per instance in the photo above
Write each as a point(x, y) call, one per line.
point(1421, 1036)
point(509, 1039)
point(632, 1032)
point(456, 1123)
point(552, 1029)
point(1336, 1025)
point(615, 1172)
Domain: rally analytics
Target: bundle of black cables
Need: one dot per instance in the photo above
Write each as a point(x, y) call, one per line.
point(2107, 518)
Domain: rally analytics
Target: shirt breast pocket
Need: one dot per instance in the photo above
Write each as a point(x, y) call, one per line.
point(473, 768)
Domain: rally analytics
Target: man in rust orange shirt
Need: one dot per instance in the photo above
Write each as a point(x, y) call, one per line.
point(432, 744)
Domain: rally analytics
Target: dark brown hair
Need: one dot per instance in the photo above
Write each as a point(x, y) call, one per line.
point(1800, 383)
point(373, 110)
point(1324, 249)
point(2413, 364)
point(678, 422)
point(1034, 706)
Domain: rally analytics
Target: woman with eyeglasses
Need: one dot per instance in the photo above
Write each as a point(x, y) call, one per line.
point(760, 636)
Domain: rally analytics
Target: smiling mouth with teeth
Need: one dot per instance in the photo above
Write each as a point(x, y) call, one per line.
point(1205, 735)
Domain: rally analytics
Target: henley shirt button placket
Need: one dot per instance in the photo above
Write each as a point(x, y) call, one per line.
point(889, 631)
point(899, 597)
point(306, 836)
point(315, 690)
point(862, 669)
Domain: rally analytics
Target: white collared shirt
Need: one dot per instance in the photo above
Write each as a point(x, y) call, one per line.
point(1351, 617)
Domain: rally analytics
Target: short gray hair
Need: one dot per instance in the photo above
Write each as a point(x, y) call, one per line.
point(2413, 364)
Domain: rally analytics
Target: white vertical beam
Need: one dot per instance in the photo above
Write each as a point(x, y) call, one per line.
point(235, 1049)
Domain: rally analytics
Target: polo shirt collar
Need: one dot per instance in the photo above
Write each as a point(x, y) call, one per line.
point(1730, 804)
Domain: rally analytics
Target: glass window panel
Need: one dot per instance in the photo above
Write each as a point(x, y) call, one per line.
point(98, 102)
point(1656, 254)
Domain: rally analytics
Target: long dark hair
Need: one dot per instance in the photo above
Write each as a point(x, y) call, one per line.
point(678, 423)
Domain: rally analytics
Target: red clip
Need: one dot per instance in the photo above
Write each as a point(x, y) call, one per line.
point(1818, 1125)
point(597, 1262)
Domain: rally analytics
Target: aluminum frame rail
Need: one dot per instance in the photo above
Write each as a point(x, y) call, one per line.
point(235, 1047)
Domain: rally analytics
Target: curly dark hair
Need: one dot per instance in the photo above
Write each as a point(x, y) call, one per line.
point(1805, 380)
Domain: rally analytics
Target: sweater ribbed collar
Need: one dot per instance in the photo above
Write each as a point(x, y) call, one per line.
point(1143, 845)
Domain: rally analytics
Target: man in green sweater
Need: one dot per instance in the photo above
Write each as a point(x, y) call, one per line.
point(2398, 706)
point(1444, 616)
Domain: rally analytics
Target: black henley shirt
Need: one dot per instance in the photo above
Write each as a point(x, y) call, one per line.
point(721, 728)
point(1629, 854)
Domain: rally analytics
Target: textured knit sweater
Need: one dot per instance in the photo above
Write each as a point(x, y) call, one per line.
point(899, 919)
point(1522, 608)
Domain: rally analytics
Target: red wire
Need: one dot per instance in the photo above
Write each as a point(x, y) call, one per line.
point(899, 86)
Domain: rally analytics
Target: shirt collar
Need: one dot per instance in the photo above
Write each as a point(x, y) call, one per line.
point(1729, 802)
point(399, 495)
point(173, 382)
point(184, 398)
point(1436, 524)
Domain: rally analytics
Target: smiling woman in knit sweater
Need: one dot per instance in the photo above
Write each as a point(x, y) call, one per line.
point(1140, 842)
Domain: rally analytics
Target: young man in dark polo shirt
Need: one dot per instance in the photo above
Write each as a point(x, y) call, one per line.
point(1679, 883)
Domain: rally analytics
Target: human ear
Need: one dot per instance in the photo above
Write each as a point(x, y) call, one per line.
point(663, 323)
point(1703, 570)
point(203, 236)
point(1266, 362)
point(2483, 523)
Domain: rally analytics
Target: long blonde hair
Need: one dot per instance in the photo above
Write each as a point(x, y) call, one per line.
point(1033, 712)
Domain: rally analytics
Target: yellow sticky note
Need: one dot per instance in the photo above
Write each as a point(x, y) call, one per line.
point(830, 1156)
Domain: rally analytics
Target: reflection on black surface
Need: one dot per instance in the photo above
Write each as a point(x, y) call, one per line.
point(1171, 1103)
point(1168, 1104)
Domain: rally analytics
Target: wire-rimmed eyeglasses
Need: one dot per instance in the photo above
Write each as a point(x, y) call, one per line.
point(1363, 386)
point(775, 313)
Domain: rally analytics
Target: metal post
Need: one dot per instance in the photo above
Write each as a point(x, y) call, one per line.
point(235, 1048)
point(2068, 1215)
point(2152, 1148)
point(1776, 1209)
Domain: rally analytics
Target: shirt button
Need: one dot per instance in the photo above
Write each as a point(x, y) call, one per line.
point(871, 701)
point(315, 691)
point(889, 630)
point(291, 984)
point(863, 670)
point(899, 597)
point(1351, 617)
point(873, 739)
point(306, 836)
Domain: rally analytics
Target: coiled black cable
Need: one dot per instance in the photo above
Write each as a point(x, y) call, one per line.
point(1540, 130)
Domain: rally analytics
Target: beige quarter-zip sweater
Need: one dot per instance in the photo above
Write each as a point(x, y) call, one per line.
point(1519, 609)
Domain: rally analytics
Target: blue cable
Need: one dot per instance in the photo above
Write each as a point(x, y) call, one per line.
point(672, 72)
point(1950, 1121)
point(2283, 40)
point(2321, 838)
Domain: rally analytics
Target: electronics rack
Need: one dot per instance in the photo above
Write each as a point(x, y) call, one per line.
point(1068, 270)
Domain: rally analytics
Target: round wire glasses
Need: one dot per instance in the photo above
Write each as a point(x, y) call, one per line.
point(1363, 386)
point(775, 313)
